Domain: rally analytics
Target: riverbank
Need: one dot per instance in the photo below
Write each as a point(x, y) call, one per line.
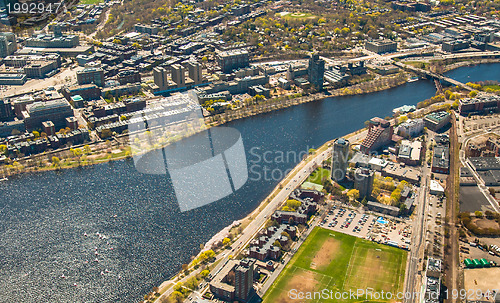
point(459, 64)
point(103, 152)
point(249, 226)
point(355, 136)
point(372, 86)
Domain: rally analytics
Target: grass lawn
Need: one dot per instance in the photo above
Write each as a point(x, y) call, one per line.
point(299, 15)
point(317, 175)
point(492, 86)
point(90, 1)
point(418, 64)
point(339, 262)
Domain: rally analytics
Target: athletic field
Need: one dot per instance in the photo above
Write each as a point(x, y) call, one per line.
point(338, 263)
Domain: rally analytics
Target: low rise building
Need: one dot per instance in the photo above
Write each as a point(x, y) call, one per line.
point(436, 121)
point(411, 128)
point(399, 172)
point(13, 79)
point(86, 92)
point(91, 76)
point(53, 41)
point(381, 46)
point(481, 104)
point(383, 208)
point(54, 110)
point(309, 200)
point(441, 160)
point(264, 247)
point(410, 152)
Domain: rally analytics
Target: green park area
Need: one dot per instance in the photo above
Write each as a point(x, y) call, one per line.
point(318, 175)
point(339, 262)
point(90, 1)
point(297, 15)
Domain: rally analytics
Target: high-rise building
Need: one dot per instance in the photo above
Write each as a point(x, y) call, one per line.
point(340, 153)
point(380, 132)
point(363, 181)
point(316, 71)
point(194, 70)
point(178, 75)
point(8, 44)
point(160, 77)
point(6, 112)
point(243, 279)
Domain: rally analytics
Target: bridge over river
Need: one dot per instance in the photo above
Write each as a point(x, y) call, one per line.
point(431, 75)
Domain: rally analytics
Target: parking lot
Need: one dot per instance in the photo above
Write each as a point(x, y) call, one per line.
point(348, 221)
point(367, 226)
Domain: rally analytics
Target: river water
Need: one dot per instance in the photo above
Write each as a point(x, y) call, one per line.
point(109, 233)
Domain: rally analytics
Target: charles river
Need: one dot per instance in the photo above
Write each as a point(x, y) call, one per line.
point(109, 233)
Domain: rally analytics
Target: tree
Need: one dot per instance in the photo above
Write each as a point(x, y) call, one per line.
point(204, 273)
point(3, 149)
point(353, 194)
point(473, 93)
point(478, 214)
point(277, 244)
point(76, 152)
point(293, 204)
point(226, 241)
point(396, 195)
point(36, 134)
point(402, 208)
point(364, 201)
point(106, 133)
point(177, 297)
point(192, 283)
point(55, 161)
point(492, 191)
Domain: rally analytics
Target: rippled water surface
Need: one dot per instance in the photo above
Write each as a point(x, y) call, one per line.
point(54, 225)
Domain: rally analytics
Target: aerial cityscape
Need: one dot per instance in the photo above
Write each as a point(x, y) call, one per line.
point(250, 151)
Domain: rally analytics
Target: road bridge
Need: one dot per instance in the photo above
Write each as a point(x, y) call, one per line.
point(432, 75)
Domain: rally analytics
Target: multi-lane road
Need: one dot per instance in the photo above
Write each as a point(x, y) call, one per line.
point(298, 175)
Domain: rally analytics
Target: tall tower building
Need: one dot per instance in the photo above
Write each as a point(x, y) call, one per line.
point(178, 75)
point(340, 154)
point(160, 77)
point(316, 71)
point(243, 280)
point(194, 70)
point(363, 181)
point(57, 30)
point(8, 44)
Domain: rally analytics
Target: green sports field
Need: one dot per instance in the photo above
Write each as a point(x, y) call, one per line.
point(339, 263)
